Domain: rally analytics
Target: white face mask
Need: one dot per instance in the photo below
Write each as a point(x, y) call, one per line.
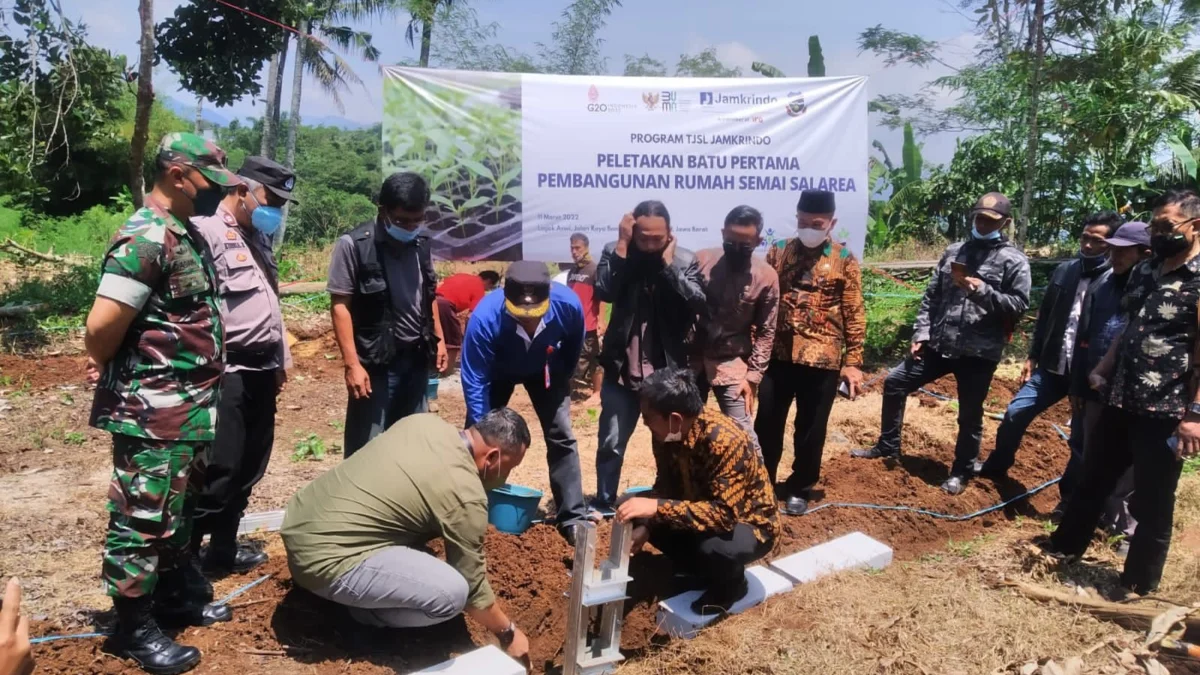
point(812, 238)
point(673, 436)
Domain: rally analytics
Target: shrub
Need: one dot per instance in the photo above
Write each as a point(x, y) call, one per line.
point(323, 213)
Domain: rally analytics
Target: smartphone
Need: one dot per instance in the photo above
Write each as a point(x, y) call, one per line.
point(844, 389)
point(958, 269)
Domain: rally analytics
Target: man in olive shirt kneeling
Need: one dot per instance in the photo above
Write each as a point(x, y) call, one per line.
point(354, 536)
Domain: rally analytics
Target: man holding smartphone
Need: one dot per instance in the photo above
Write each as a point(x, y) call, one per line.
point(978, 292)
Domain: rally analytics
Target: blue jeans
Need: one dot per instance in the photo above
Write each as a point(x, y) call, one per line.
point(620, 410)
point(1042, 391)
point(397, 391)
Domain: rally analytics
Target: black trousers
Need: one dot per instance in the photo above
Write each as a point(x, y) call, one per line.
point(1123, 440)
point(974, 378)
point(239, 453)
point(553, 408)
point(814, 390)
point(718, 559)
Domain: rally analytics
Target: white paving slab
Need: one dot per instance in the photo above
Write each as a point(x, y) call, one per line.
point(853, 551)
point(487, 660)
point(676, 618)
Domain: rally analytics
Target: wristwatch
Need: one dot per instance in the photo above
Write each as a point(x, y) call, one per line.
point(508, 635)
point(1193, 408)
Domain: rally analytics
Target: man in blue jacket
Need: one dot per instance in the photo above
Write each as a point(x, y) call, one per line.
point(531, 334)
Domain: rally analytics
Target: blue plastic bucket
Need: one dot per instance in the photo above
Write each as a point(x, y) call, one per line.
point(512, 508)
point(431, 389)
point(638, 489)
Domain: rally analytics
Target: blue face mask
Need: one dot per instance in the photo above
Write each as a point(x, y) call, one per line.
point(266, 219)
point(400, 234)
point(986, 237)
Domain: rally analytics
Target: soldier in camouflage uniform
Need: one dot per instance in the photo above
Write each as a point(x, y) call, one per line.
point(154, 335)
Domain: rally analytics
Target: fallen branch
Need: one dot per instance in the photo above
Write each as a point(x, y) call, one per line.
point(248, 603)
point(1129, 616)
point(10, 311)
point(20, 250)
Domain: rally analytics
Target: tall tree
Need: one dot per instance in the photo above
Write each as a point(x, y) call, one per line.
point(145, 99)
point(816, 57)
point(1038, 39)
point(575, 43)
point(644, 66)
point(462, 43)
point(275, 73)
point(704, 64)
point(423, 13)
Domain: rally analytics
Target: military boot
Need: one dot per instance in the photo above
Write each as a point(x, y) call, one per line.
point(226, 556)
point(139, 638)
point(183, 597)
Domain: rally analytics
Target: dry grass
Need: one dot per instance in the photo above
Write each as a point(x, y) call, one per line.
point(941, 614)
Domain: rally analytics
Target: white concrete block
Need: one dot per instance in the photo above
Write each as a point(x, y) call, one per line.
point(487, 660)
point(676, 618)
point(854, 551)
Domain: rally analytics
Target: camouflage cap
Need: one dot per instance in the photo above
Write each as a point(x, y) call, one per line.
point(202, 155)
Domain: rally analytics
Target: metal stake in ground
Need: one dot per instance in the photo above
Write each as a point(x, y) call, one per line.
point(596, 591)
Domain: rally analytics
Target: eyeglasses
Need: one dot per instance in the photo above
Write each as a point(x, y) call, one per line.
point(1166, 225)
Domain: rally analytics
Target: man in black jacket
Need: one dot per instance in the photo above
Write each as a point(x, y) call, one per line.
point(1046, 375)
point(656, 291)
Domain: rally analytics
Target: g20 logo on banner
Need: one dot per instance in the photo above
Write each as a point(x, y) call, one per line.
point(594, 104)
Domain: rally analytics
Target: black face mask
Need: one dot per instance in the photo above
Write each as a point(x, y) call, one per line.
point(1167, 245)
point(1094, 263)
point(206, 201)
point(645, 262)
point(738, 255)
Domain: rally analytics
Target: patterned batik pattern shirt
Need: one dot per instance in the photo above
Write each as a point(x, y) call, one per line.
point(822, 319)
point(1155, 359)
point(713, 480)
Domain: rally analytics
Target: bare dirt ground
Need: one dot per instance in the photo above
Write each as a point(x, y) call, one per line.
point(53, 480)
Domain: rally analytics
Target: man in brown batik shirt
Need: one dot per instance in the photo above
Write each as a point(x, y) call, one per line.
point(818, 343)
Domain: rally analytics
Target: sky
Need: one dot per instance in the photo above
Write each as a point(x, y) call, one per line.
point(776, 32)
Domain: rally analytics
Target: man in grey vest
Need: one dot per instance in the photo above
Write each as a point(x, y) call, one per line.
point(382, 284)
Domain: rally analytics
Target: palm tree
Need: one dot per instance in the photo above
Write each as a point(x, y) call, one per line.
point(319, 32)
point(422, 12)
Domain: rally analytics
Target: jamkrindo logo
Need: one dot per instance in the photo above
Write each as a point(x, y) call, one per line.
point(796, 105)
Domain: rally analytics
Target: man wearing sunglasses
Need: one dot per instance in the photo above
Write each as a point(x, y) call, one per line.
point(239, 237)
point(383, 286)
point(1152, 418)
point(530, 335)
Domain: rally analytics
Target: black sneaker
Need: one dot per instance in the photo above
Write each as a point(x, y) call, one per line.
point(720, 600)
point(873, 452)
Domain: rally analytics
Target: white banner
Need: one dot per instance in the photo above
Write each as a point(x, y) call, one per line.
point(518, 163)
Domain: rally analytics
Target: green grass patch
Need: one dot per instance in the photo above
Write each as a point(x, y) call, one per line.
point(891, 310)
point(1191, 465)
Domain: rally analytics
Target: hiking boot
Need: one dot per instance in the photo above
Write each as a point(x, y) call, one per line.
point(220, 562)
point(183, 598)
point(955, 485)
point(719, 600)
point(138, 637)
point(873, 452)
